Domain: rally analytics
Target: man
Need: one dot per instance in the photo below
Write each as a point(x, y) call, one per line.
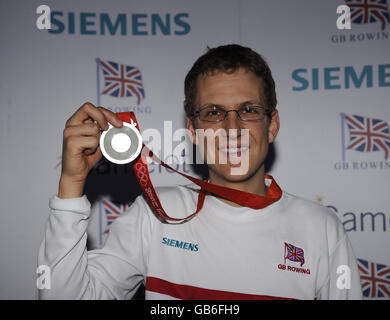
point(289, 249)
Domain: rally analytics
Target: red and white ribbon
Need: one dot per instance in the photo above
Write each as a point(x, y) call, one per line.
point(240, 197)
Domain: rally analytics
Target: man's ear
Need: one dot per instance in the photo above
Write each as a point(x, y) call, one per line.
point(191, 128)
point(274, 126)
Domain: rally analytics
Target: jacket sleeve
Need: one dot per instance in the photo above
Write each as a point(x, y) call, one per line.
point(340, 265)
point(113, 272)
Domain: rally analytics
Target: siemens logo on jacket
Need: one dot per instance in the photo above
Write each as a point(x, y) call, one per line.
point(180, 244)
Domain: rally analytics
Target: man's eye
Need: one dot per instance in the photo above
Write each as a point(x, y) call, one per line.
point(249, 110)
point(213, 112)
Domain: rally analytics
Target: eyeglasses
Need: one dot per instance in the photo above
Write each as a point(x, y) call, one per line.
point(217, 114)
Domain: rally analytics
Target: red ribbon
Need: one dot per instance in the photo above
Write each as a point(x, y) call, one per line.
point(242, 198)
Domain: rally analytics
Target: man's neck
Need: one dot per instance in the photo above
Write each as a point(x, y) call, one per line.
point(254, 184)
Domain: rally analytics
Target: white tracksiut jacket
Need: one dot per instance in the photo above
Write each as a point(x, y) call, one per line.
point(292, 249)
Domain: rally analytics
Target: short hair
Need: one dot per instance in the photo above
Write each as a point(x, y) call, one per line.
point(228, 59)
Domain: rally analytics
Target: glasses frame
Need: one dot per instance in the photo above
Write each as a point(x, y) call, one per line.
point(197, 113)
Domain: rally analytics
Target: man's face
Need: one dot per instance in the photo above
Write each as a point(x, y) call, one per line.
point(232, 91)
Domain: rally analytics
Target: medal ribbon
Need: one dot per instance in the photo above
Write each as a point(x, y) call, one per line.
point(242, 198)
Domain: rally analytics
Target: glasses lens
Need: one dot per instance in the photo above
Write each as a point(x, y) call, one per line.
point(212, 114)
point(216, 114)
point(251, 113)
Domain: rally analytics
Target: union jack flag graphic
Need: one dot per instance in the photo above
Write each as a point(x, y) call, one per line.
point(366, 134)
point(121, 81)
point(369, 11)
point(375, 279)
point(112, 211)
point(293, 253)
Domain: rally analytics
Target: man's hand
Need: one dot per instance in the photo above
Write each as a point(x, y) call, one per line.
point(81, 151)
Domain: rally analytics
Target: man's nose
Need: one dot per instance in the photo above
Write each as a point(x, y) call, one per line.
point(232, 120)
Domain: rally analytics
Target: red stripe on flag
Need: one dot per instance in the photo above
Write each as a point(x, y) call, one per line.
point(110, 88)
point(133, 90)
point(380, 126)
point(383, 146)
point(111, 207)
point(357, 12)
point(105, 65)
point(381, 19)
point(355, 123)
point(121, 80)
point(132, 73)
point(353, 144)
point(186, 292)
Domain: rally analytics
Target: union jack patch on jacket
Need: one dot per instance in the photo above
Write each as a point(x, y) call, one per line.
point(293, 253)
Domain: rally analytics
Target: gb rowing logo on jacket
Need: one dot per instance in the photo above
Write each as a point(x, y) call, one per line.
point(296, 255)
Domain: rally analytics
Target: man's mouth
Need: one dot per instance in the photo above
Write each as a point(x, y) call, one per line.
point(234, 150)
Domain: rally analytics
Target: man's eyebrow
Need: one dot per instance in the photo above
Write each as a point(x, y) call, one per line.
point(249, 102)
point(211, 105)
point(241, 104)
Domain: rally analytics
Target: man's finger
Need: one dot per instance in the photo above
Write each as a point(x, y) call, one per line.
point(85, 112)
point(87, 129)
point(111, 117)
point(76, 145)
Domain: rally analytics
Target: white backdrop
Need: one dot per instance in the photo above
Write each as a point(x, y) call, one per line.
point(46, 76)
